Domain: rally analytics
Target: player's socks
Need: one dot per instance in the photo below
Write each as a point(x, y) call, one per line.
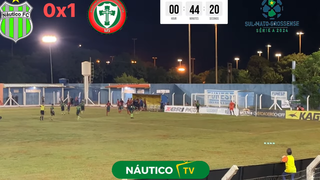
point(131, 115)
point(78, 117)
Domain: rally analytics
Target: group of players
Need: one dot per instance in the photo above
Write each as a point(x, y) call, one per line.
point(79, 109)
point(120, 104)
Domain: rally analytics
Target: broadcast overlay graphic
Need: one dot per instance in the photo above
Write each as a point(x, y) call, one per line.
point(160, 170)
point(107, 16)
point(272, 11)
point(194, 12)
point(16, 23)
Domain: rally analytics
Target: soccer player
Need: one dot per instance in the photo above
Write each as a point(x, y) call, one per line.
point(108, 107)
point(119, 106)
point(41, 112)
point(131, 108)
point(78, 111)
point(197, 106)
point(62, 105)
point(128, 106)
point(52, 111)
point(69, 104)
point(82, 106)
point(290, 165)
point(231, 107)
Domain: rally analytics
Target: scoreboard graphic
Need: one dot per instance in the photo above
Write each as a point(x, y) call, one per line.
point(194, 12)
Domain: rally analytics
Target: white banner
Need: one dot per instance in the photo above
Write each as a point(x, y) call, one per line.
point(202, 110)
point(216, 97)
point(180, 109)
point(281, 95)
point(285, 104)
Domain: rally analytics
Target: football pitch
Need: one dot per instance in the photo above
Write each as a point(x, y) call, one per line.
point(67, 149)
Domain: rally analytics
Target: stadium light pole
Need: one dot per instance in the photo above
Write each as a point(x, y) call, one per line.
point(216, 50)
point(268, 51)
point(192, 68)
point(180, 61)
point(300, 34)
point(189, 37)
point(154, 61)
point(278, 55)
point(237, 62)
point(259, 52)
point(50, 40)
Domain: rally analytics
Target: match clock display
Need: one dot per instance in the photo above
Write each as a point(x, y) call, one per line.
point(194, 12)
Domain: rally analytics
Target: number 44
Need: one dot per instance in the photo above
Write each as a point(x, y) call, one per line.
point(194, 9)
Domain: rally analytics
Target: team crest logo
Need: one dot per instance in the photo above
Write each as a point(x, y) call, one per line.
point(107, 16)
point(15, 22)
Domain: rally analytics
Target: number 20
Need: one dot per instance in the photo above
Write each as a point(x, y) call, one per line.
point(214, 9)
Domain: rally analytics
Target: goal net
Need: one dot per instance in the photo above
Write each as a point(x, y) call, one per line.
point(214, 100)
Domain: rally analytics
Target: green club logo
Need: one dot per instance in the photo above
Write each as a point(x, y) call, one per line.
point(107, 16)
point(15, 22)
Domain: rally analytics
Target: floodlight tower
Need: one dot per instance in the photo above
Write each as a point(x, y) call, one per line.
point(86, 72)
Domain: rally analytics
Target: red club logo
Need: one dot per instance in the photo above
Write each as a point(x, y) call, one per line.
point(107, 16)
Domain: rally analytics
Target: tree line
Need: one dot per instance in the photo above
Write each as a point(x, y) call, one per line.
point(35, 68)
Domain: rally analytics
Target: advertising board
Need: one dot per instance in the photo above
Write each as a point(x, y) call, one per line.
point(202, 110)
point(219, 97)
point(281, 95)
point(270, 113)
point(303, 115)
point(180, 109)
point(246, 112)
point(214, 110)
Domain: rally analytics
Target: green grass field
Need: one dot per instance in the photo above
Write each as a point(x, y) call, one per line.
point(68, 149)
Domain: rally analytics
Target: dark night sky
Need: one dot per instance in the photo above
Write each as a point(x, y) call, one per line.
point(170, 42)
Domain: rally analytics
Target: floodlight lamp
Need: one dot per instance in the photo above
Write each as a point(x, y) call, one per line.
point(181, 69)
point(49, 39)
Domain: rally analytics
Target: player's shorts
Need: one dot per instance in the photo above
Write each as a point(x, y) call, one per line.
point(78, 112)
point(82, 108)
point(108, 109)
point(52, 113)
point(42, 113)
point(231, 109)
point(198, 109)
point(62, 108)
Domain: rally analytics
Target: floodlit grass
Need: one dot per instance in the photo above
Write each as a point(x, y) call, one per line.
point(68, 149)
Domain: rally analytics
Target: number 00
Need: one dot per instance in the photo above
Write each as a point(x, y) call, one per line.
point(174, 9)
point(214, 9)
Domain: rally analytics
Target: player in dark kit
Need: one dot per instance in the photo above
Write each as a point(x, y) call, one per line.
point(52, 111)
point(78, 112)
point(41, 112)
point(62, 107)
point(82, 106)
point(131, 110)
point(108, 107)
point(69, 104)
point(197, 106)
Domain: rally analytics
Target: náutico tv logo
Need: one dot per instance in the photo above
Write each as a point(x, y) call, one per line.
point(160, 170)
point(272, 11)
